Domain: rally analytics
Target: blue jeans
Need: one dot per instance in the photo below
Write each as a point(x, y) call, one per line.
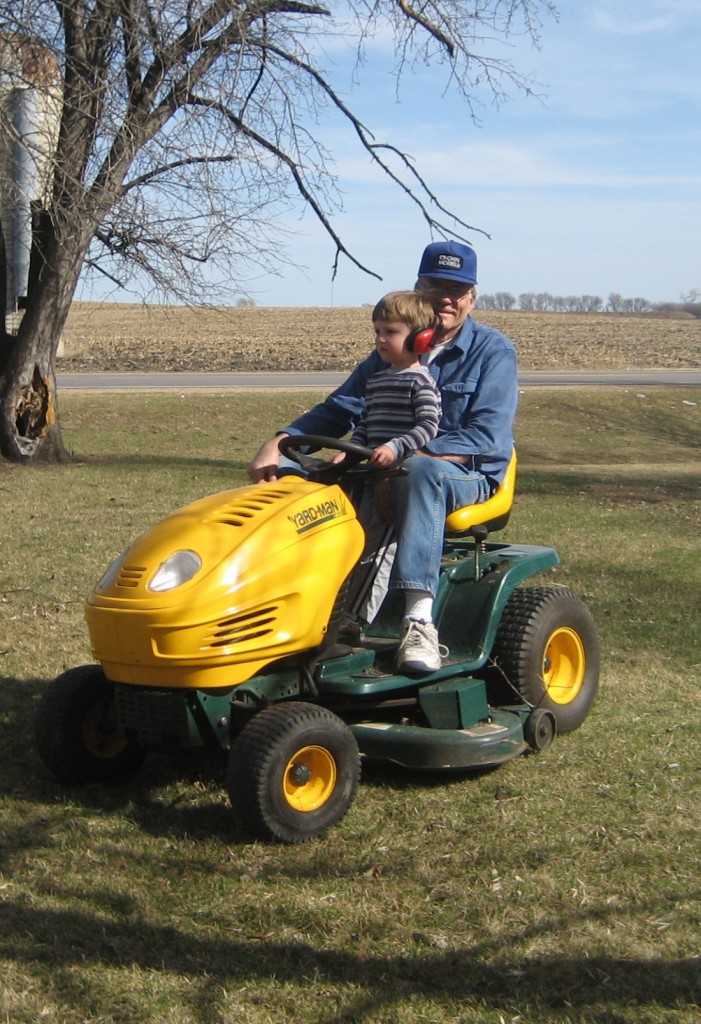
point(421, 500)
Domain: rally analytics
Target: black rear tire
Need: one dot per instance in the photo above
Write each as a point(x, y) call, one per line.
point(546, 652)
point(293, 772)
point(75, 734)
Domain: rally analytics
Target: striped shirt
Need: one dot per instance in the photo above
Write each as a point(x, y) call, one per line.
point(402, 410)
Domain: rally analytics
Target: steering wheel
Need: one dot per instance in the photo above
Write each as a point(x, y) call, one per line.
point(355, 454)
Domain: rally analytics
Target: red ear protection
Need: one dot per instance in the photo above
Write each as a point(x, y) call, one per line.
point(423, 339)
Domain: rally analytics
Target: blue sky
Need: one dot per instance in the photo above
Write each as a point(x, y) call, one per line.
point(593, 188)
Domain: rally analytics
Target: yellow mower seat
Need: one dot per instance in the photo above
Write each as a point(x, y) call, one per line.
point(492, 513)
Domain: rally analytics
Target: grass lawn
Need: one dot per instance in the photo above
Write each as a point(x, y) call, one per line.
point(560, 889)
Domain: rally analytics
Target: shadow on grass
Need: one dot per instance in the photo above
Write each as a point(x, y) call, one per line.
point(99, 928)
point(386, 775)
point(491, 972)
point(634, 486)
point(156, 461)
point(23, 777)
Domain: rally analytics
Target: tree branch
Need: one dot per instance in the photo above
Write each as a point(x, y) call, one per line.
point(432, 29)
point(293, 168)
point(366, 138)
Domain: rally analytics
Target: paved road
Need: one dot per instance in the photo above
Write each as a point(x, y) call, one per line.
point(224, 381)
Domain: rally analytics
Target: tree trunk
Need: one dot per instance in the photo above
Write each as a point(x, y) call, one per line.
point(29, 422)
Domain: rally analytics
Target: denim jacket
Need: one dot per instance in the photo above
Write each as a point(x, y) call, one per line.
point(476, 376)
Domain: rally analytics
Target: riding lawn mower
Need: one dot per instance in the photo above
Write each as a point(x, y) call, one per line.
point(219, 629)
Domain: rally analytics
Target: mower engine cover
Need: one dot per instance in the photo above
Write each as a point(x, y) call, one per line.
point(225, 585)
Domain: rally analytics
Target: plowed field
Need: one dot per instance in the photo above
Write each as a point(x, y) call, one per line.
point(122, 337)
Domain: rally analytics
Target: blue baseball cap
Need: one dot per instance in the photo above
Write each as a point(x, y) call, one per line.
point(453, 261)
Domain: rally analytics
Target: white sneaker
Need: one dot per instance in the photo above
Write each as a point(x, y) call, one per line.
point(419, 649)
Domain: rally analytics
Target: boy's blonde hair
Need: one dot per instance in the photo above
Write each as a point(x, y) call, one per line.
point(408, 308)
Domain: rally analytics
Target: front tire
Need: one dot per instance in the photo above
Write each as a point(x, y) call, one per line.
point(546, 651)
point(75, 734)
point(293, 772)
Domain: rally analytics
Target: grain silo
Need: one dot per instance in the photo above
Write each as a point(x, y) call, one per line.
point(30, 105)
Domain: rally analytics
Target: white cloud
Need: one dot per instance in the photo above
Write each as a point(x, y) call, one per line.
point(624, 25)
point(641, 17)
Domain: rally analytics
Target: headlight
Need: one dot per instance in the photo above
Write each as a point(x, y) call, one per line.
point(177, 569)
point(111, 574)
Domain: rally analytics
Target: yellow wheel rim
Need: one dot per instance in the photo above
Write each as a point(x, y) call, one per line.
point(564, 665)
point(310, 778)
point(98, 742)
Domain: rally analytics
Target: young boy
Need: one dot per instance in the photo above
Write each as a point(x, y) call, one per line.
point(402, 403)
point(401, 414)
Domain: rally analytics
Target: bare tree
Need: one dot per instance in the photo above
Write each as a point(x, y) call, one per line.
point(186, 126)
point(638, 304)
point(504, 300)
point(592, 303)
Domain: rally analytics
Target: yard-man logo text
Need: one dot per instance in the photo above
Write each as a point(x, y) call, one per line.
point(315, 515)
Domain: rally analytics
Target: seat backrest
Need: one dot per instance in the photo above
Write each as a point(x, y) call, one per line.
point(492, 513)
